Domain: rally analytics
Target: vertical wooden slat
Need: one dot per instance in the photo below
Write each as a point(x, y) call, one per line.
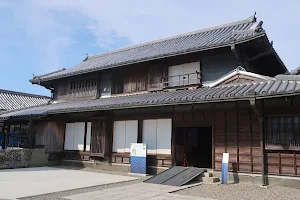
point(295, 164)
point(213, 141)
point(7, 136)
point(251, 140)
point(85, 132)
point(237, 139)
point(140, 131)
point(225, 132)
point(279, 157)
point(173, 144)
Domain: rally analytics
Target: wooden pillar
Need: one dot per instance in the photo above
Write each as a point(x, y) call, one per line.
point(30, 134)
point(85, 132)
point(7, 136)
point(259, 112)
point(109, 138)
point(140, 131)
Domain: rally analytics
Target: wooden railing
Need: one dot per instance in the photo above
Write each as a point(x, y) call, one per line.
point(182, 80)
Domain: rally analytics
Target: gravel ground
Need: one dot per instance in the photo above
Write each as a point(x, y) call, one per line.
point(241, 191)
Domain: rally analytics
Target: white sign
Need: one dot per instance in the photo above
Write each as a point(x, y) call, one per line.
point(225, 158)
point(0, 147)
point(138, 149)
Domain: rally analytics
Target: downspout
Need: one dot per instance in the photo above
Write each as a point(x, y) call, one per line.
point(259, 113)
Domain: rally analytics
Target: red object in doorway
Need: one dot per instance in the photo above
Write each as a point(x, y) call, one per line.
point(185, 164)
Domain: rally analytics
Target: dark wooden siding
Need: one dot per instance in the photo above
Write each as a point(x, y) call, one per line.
point(98, 137)
point(237, 132)
point(84, 88)
point(50, 134)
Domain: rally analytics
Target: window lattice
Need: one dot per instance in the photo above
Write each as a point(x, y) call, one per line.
point(284, 131)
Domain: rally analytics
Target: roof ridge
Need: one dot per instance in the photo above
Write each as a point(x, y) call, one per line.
point(247, 20)
point(24, 94)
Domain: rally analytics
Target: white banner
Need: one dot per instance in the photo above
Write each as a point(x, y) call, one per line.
point(225, 158)
point(138, 149)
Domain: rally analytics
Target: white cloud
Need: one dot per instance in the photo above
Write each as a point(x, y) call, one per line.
point(132, 20)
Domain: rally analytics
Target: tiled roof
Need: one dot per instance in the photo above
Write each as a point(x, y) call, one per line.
point(214, 37)
point(10, 100)
point(296, 71)
point(201, 95)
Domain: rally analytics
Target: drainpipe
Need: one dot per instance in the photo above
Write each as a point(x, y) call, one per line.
point(260, 115)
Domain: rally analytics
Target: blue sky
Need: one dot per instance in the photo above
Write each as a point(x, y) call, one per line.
point(40, 36)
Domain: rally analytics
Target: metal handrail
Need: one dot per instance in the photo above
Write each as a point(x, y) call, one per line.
point(184, 79)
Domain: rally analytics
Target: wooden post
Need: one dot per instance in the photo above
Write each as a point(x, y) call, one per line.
point(261, 120)
point(85, 132)
point(7, 136)
point(30, 133)
point(140, 131)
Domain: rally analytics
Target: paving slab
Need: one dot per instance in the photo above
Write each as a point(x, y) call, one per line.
point(17, 183)
point(139, 191)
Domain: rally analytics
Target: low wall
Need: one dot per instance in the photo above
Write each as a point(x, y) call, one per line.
point(20, 158)
point(15, 158)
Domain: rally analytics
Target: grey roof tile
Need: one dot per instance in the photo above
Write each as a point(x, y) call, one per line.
point(11, 100)
point(218, 36)
point(203, 95)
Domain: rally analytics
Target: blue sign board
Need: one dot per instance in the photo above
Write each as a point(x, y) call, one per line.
point(138, 158)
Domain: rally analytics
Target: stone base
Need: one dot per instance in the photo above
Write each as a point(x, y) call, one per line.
point(109, 166)
point(285, 181)
point(135, 174)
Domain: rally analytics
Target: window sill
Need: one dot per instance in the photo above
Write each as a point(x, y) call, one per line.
point(278, 147)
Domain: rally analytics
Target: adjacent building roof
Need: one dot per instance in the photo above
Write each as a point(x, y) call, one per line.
point(239, 71)
point(11, 100)
point(296, 71)
point(215, 37)
point(264, 89)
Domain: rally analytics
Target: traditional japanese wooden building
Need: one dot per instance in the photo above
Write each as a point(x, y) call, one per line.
point(190, 97)
point(12, 100)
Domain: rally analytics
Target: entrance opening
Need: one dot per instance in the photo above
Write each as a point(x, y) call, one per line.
point(194, 147)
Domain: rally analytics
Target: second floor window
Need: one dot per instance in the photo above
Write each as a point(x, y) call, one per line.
point(82, 84)
point(184, 74)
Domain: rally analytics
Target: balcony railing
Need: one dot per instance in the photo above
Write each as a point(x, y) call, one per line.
point(182, 80)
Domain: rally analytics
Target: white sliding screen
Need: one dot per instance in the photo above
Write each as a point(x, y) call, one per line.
point(69, 136)
point(119, 137)
point(157, 134)
point(88, 136)
point(79, 136)
point(164, 135)
point(125, 133)
point(131, 133)
point(149, 135)
point(183, 69)
point(74, 136)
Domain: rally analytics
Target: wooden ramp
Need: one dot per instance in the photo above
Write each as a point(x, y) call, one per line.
point(176, 176)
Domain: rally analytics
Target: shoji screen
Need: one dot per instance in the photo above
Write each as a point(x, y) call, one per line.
point(157, 134)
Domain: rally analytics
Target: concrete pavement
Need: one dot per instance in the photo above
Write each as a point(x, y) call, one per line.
point(23, 182)
point(139, 191)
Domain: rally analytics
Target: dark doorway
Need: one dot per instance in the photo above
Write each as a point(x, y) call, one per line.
point(194, 147)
